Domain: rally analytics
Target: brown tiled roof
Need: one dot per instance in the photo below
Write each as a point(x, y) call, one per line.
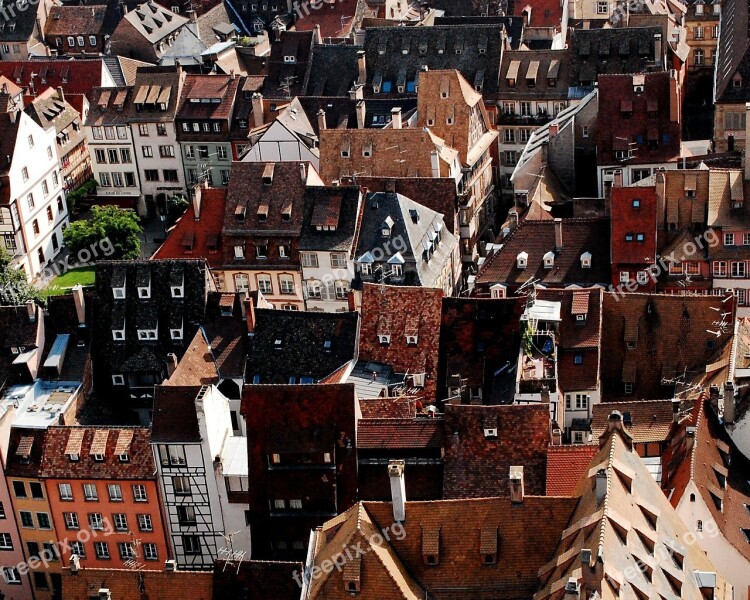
point(76, 20)
point(175, 419)
point(566, 465)
point(400, 433)
point(109, 442)
point(477, 465)
point(215, 87)
point(550, 65)
point(268, 580)
point(197, 366)
point(153, 584)
point(392, 407)
point(26, 466)
point(401, 311)
point(536, 238)
point(652, 420)
point(226, 334)
point(669, 333)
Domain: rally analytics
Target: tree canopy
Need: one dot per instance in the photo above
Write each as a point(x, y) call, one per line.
point(110, 227)
point(14, 289)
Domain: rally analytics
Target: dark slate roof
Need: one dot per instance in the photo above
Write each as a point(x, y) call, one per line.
point(132, 354)
point(268, 580)
point(513, 25)
point(279, 71)
point(18, 24)
point(341, 111)
point(15, 466)
point(619, 50)
point(175, 418)
point(536, 238)
point(301, 352)
point(733, 53)
point(340, 204)
point(477, 465)
point(332, 70)
point(550, 64)
point(226, 335)
point(467, 48)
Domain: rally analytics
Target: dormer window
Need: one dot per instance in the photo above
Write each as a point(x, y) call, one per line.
point(387, 227)
point(384, 339)
point(411, 340)
point(176, 334)
point(118, 292)
point(290, 59)
point(145, 335)
point(178, 291)
point(549, 260)
point(497, 291)
point(118, 335)
point(144, 292)
point(586, 260)
point(418, 379)
point(522, 260)
point(118, 379)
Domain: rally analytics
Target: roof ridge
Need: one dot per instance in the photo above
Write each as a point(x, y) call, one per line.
point(698, 421)
point(605, 508)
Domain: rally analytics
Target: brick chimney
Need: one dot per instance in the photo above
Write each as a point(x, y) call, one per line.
point(80, 303)
point(557, 436)
point(249, 313)
point(398, 489)
point(558, 235)
point(435, 163)
point(657, 49)
point(31, 311)
point(553, 129)
point(516, 484)
point(396, 117)
point(257, 100)
point(321, 120)
point(361, 67)
point(618, 178)
point(61, 93)
point(197, 197)
point(729, 404)
point(317, 37)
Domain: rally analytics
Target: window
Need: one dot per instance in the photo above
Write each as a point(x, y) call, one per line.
point(95, 521)
point(151, 174)
point(699, 55)
point(27, 519)
point(113, 155)
point(166, 151)
point(161, 129)
point(117, 179)
point(286, 282)
point(170, 175)
point(738, 268)
point(186, 515)
point(143, 129)
point(115, 492)
point(2, 511)
point(510, 136)
point(746, 239)
point(150, 552)
point(30, 201)
point(101, 549)
point(602, 7)
point(310, 259)
point(239, 252)
point(89, 492)
point(191, 544)
point(109, 133)
point(264, 284)
point(37, 491)
point(25, 174)
point(97, 133)
point(35, 228)
point(144, 523)
point(692, 268)
point(121, 521)
point(283, 251)
point(43, 521)
point(147, 151)
point(71, 520)
point(31, 141)
point(720, 268)
point(19, 489)
point(139, 493)
point(698, 33)
point(628, 388)
point(261, 251)
point(525, 109)
point(221, 152)
point(172, 456)
point(642, 277)
point(624, 276)
point(6, 542)
point(338, 261)
point(78, 549)
point(11, 575)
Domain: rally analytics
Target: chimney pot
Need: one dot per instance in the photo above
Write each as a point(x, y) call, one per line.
point(516, 484)
point(398, 489)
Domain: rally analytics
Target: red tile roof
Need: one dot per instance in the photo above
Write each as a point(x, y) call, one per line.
point(652, 420)
point(202, 232)
point(400, 311)
point(198, 87)
point(400, 433)
point(107, 441)
point(477, 464)
point(122, 583)
point(626, 249)
point(197, 365)
point(566, 465)
point(543, 13)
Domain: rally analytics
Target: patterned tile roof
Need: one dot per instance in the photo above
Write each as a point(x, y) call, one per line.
point(566, 465)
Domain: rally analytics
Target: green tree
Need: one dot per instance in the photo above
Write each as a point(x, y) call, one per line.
point(111, 226)
point(14, 289)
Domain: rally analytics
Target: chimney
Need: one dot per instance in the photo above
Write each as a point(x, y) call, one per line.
point(713, 396)
point(105, 594)
point(12, 115)
point(558, 235)
point(362, 67)
point(435, 162)
point(553, 129)
point(232, 74)
point(592, 571)
point(351, 301)
point(61, 93)
point(171, 364)
point(361, 114)
point(80, 303)
point(321, 120)
point(601, 485)
point(31, 310)
point(729, 402)
point(197, 199)
point(557, 436)
point(170, 566)
point(249, 313)
point(618, 178)
point(303, 172)
point(257, 100)
point(544, 394)
point(75, 564)
point(615, 421)
point(516, 485)
point(657, 49)
point(396, 117)
point(398, 489)
point(357, 92)
point(317, 37)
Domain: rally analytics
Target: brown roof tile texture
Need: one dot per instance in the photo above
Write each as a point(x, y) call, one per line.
point(566, 465)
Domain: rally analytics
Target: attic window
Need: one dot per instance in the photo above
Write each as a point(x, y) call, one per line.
point(586, 260)
point(384, 339)
point(239, 213)
point(144, 292)
point(278, 345)
point(118, 380)
point(411, 340)
point(176, 334)
point(268, 174)
point(327, 346)
point(147, 334)
point(178, 291)
point(549, 260)
point(522, 260)
point(119, 292)
point(118, 334)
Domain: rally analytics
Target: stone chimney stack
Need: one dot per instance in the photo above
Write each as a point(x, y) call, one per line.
point(516, 484)
point(361, 67)
point(321, 120)
point(729, 403)
point(361, 113)
point(249, 313)
point(558, 235)
point(396, 117)
point(80, 303)
point(257, 100)
point(435, 163)
point(657, 49)
point(31, 310)
point(398, 489)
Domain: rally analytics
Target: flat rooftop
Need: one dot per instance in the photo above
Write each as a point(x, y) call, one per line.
point(40, 404)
